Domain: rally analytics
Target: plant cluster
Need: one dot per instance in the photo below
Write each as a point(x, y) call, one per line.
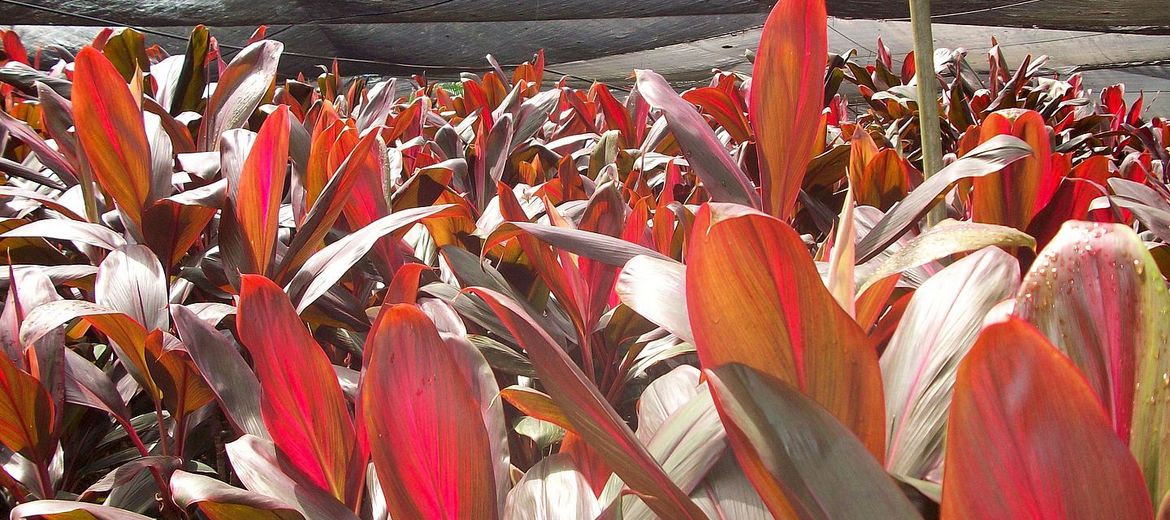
point(345, 299)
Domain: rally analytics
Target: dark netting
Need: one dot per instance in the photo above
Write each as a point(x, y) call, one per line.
point(606, 39)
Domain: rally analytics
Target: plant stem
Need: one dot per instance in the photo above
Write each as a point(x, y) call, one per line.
point(587, 356)
point(180, 437)
point(162, 428)
point(168, 508)
point(928, 122)
point(46, 481)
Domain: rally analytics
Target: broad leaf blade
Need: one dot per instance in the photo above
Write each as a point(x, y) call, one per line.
point(234, 384)
point(552, 489)
point(940, 325)
point(794, 331)
point(126, 336)
point(787, 96)
point(804, 463)
point(1097, 294)
point(83, 232)
point(331, 201)
point(656, 289)
point(192, 80)
point(26, 414)
point(1028, 439)
point(112, 134)
point(427, 437)
point(239, 90)
point(131, 280)
point(302, 403)
point(1019, 191)
point(256, 198)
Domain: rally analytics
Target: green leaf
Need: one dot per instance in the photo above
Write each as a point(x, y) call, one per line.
point(804, 463)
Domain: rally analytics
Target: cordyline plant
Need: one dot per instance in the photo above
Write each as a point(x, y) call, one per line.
point(263, 298)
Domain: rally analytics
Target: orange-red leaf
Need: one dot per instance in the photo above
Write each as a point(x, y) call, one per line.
point(1027, 437)
point(787, 97)
point(754, 297)
point(1019, 191)
point(111, 132)
point(427, 437)
point(26, 414)
point(301, 400)
point(261, 185)
point(728, 110)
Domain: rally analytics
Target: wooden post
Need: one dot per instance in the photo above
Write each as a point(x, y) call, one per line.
point(928, 121)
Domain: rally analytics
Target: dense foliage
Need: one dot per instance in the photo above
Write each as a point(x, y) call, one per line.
point(274, 298)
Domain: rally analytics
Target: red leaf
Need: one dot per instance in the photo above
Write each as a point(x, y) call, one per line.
point(793, 330)
point(26, 414)
point(1072, 198)
point(404, 287)
point(14, 48)
point(301, 400)
point(427, 437)
point(1028, 439)
point(787, 97)
point(1019, 191)
point(111, 133)
point(616, 116)
point(261, 184)
point(366, 203)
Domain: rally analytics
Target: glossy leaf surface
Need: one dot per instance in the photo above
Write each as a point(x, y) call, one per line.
point(1026, 434)
point(428, 440)
point(796, 332)
point(804, 463)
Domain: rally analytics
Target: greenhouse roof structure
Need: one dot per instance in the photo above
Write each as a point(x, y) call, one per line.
point(1126, 41)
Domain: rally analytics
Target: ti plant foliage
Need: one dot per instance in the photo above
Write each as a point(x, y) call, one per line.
point(229, 295)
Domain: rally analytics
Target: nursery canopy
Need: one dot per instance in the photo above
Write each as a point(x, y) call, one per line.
point(1126, 41)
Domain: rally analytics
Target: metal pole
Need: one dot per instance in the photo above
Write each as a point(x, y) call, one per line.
point(928, 122)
